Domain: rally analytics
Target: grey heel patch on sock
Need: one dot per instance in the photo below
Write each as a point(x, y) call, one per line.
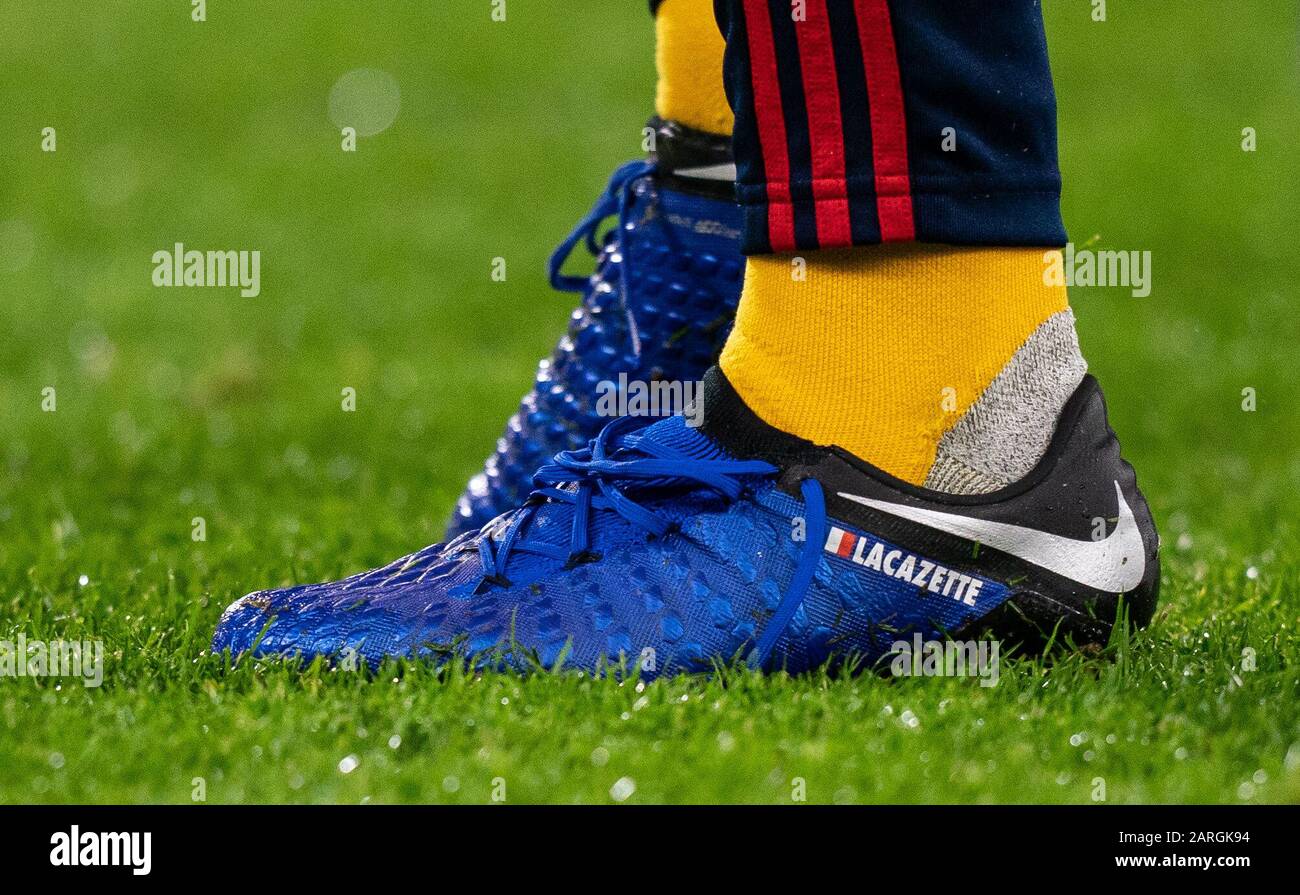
point(1006, 431)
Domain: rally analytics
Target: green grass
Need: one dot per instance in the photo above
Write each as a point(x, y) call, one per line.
point(175, 404)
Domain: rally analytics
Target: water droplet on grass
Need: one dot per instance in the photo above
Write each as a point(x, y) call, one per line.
point(366, 99)
point(622, 789)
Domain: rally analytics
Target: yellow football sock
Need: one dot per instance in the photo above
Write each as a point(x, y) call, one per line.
point(688, 57)
point(882, 349)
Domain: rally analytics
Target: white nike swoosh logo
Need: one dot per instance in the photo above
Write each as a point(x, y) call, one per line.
point(725, 171)
point(1114, 564)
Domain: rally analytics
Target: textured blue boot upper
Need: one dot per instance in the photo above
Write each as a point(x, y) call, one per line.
point(658, 306)
point(651, 546)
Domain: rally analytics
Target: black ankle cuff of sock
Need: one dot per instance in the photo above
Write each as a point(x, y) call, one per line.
point(730, 422)
point(677, 147)
point(739, 431)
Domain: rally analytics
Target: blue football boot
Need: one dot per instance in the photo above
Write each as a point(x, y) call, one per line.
point(670, 548)
point(658, 307)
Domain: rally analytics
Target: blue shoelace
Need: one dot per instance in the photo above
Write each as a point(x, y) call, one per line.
point(618, 199)
point(596, 478)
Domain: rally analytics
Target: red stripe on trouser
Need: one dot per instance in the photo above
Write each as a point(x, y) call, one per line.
point(770, 118)
point(825, 127)
point(888, 121)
